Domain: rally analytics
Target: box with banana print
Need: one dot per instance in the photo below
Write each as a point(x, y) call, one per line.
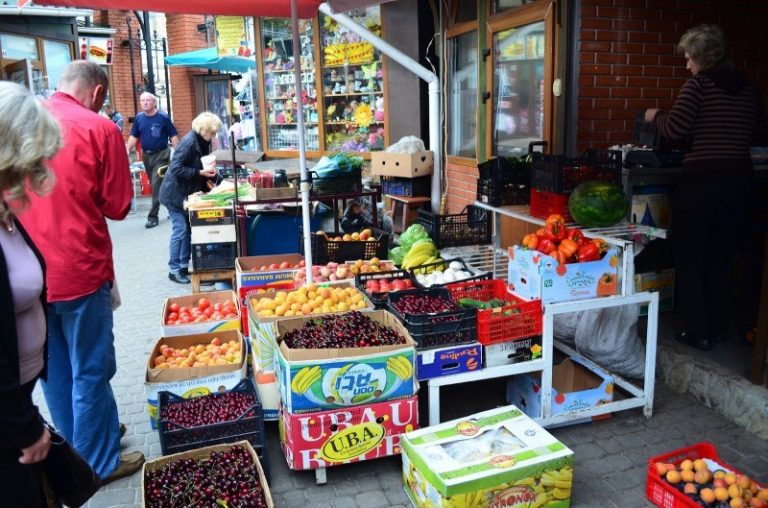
point(497, 458)
point(312, 380)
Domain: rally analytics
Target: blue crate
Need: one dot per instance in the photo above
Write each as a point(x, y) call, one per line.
point(409, 187)
point(449, 360)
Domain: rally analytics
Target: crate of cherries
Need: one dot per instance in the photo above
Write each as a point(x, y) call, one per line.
point(432, 318)
point(222, 475)
point(348, 330)
point(235, 415)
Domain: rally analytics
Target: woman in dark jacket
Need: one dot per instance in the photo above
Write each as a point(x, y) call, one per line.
point(30, 136)
point(186, 176)
point(720, 114)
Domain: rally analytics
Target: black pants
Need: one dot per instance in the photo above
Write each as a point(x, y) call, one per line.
point(152, 161)
point(709, 219)
point(21, 485)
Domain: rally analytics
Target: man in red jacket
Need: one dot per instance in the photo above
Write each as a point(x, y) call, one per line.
point(69, 227)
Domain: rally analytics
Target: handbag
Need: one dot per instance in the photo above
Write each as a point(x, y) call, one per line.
point(70, 477)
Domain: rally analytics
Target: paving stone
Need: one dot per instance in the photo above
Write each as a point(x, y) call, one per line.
point(372, 499)
point(345, 502)
point(297, 498)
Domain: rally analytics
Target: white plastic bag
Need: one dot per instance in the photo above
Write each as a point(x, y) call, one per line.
point(407, 144)
point(609, 338)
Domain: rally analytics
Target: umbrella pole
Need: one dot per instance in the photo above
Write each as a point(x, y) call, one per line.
point(304, 185)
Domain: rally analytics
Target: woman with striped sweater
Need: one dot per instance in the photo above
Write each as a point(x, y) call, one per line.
point(720, 115)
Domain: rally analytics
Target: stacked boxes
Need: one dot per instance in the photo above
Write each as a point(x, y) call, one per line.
point(214, 238)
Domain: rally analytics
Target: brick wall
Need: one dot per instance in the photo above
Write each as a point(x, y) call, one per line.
point(183, 36)
point(462, 186)
point(628, 60)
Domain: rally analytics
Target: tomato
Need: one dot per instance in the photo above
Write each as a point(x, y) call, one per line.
point(263, 267)
point(229, 309)
point(203, 303)
point(208, 312)
point(184, 310)
point(186, 319)
point(173, 315)
point(170, 321)
point(200, 319)
point(274, 266)
point(217, 306)
point(284, 265)
point(301, 264)
point(230, 315)
point(196, 312)
point(215, 316)
point(174, 307)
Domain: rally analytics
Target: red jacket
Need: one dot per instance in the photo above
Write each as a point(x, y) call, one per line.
point(93, 183)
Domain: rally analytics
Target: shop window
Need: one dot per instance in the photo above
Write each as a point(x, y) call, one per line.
point(518, 89)
point(57, 56)
point(462, 95)
point(499, 6)
point(18, 48)
point(466, 10)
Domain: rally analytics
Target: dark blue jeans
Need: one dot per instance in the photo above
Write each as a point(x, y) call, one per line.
point(181, 242)
point(81, 361)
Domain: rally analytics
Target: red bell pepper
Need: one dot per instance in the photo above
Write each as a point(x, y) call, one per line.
point(576, 235)
point(545, 245)
point(530, 241)
point(555, 218)
point(588, 252)
point(602, 245)
point(557, 230)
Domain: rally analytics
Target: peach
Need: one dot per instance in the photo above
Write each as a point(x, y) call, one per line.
point(707, 495)
point(687, 475)
point(673, 477)
point(721, 494)
point(702, 476)
point(686, 465)
point(699, 464)
point(690, 488)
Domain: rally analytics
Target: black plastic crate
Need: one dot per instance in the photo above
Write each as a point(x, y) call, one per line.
point(409, 187)
point(326, 250)
point(380, 299)
point(436, 330)
point(176, 438)
point(560, 174)
point(505, 169)
point(338, 184)
point(470, 227)
point(502, 194)
point(441, 266)
point(213, 256)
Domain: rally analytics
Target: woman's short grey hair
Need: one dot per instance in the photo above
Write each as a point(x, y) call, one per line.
point(705, 45)
point(30, 135)
point(206, 122)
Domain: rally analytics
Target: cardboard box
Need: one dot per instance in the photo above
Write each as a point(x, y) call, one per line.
point(662, 282)
point(206, 326)
point(513, 351)
point(320, 379)
point(497, 458)
point(342, 436)
point(192, 381)
point(449, 360)
point(574, 387)
point(213, 234)
point(535, 275)
point(401, 164)
point(156, 464)
point(214, 216)
point(249, 275)
point(262, 330)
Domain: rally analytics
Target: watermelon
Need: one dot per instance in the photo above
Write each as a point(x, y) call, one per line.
point(598, 204)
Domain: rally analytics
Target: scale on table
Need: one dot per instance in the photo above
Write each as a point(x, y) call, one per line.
point(655, 151)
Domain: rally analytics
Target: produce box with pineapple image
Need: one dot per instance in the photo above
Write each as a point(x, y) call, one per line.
point(534, 275)
point(341, 436)
point(339, 360)
point(497, 458)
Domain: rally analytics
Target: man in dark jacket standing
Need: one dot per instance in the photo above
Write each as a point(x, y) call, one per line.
point(186, 176)
point(154, 128)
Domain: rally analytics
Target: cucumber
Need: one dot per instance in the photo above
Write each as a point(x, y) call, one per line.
point(469, 303)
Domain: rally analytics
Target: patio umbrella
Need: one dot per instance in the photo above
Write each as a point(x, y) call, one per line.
point(294, 9)
point(208, 58)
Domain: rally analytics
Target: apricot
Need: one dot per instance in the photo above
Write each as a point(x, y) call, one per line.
point(762, 495)
point(686, 465)
point(707, 495)
point(687, 475)
point(702, 476)
point(699, 465)
point(719, 474)
point(730, 478)
point(743, 481)
point(756, 503)
point(719, 482)
point(673, 477)
point(721, 494)
point(737, 502)
point(690, 488)
point(734, 491)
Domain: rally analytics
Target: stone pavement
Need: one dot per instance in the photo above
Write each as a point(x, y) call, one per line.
point(610, 455)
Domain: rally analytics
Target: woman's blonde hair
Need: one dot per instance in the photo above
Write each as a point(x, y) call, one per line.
point(705, 45)
point(206, 122)
point(30, 135)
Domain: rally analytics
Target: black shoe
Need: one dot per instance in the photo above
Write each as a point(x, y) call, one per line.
point(123, 429)
point(184, 272)
point(150, 223)
point(181, 279)
point(686, 338)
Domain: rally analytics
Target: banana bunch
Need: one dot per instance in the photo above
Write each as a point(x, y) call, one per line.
point(305, 378)
point(420, 253)
point(400, 366)
point(477, 499)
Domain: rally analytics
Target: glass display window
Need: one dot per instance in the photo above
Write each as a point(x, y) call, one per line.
point(518, 88)
point(499, 6)
point(353, 85)
point(462, 70)
point(57, 56)
point(280, 89)
point(19, 48)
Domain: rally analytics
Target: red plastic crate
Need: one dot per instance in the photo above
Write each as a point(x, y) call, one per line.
point(544, 204)
point(493, 326)
point(660, 493)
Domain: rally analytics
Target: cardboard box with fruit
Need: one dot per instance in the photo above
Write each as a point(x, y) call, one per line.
point(233, 469)
point(345, 360)
point(575, 386)
point(332, 271)
point(264, 310)
point(534, 275)
point(213, 312)
point(199, 373)
point(342, 436)
point(449, 360)
point(512, 351)
point(495, 458)
point(265, 270)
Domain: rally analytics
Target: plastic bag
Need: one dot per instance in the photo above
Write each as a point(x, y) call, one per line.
point(337, 165)
point(407, 144)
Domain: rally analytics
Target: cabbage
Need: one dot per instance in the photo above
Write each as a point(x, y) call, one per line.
point(396, 255)
point(411, 235)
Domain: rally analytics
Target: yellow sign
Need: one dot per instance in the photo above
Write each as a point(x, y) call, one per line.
point(196, 392)
point(353, 53)
point(230, 35)
point(353, 442)
point(210, 214)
